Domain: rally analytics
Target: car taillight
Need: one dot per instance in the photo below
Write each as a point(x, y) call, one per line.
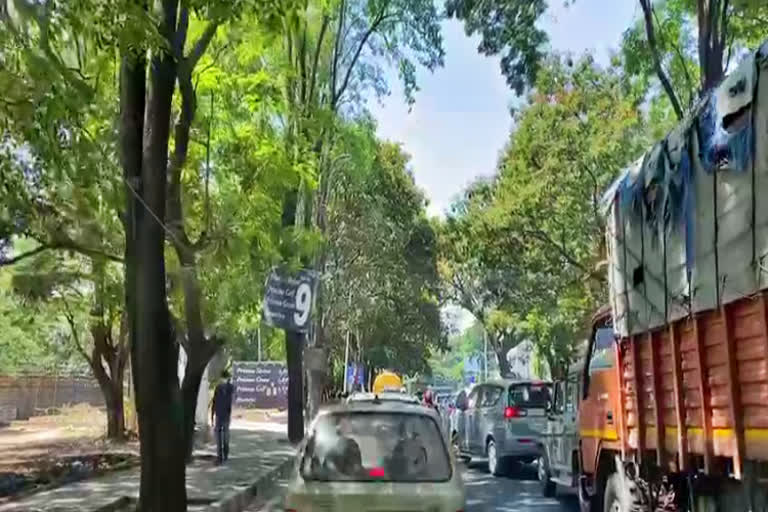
point(377, 473)
point(513, 412)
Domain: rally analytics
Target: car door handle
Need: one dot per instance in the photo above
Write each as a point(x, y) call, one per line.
point(609, 416)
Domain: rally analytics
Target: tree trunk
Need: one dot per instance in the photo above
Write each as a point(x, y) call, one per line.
point(294, 343)
point(190, 389)
point(115, 411)
point(104, 354)
point(154, 350)
point(501, 358)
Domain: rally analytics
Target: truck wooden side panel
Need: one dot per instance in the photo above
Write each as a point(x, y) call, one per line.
point(709, 372)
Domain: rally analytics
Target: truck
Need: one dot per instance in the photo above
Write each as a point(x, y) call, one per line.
point(667, 406)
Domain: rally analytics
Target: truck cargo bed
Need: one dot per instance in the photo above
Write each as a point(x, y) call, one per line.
point(703, 384)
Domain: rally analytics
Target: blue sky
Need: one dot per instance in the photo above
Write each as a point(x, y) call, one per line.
point(461, 119)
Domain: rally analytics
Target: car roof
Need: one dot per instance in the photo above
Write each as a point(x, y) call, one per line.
point(392, 406)
point(384, 396)
point(506, 382)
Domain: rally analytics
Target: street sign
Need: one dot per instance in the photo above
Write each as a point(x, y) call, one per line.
point(288, 300)
point(260, 385)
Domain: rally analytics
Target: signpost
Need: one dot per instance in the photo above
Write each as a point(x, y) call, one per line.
point(288, 302)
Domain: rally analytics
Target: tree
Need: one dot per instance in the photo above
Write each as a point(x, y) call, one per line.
point(523, 251)
point(474, 275)
point(382, 283)
point(334, 54)
point(689, 45)
point(59, 184)
point(86, 295)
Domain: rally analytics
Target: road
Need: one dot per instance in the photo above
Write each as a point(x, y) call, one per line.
point(485, 493)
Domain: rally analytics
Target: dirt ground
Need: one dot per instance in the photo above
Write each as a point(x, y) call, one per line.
point(261, 415)
point(27, 445)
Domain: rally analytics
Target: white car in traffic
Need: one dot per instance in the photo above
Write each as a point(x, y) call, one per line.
point(375, 456)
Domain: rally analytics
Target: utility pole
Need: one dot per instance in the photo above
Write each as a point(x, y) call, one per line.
point(259, 338)
point(485, 353)
point(346, 361)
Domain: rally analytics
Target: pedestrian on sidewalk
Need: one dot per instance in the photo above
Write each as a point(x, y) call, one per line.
point(221, 413)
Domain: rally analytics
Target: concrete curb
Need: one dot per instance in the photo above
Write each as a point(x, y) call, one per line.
point(237, 501)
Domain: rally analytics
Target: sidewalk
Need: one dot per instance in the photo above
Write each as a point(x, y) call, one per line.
point(259, 454)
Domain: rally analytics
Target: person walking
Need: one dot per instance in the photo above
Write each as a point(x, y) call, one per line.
point(221, 413)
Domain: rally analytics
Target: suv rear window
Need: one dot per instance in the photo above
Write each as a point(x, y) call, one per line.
point(376, 447)
point(529, 395)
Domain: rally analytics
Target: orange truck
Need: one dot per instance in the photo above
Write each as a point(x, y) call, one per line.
point(670, 402)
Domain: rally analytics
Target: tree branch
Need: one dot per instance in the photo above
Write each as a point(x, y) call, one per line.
point(374, 26)
point(724, 26)
point(202, 44)
point(681, 58)
point(181, 31)
point(337, 48)
point(316, 58)
point(73, 330)
point(19, 257)
point(651, 36)
point(67, 244)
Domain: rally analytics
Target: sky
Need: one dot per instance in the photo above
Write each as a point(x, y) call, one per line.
point(461, 121)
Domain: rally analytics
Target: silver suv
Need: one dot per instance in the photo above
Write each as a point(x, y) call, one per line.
point(502, 420)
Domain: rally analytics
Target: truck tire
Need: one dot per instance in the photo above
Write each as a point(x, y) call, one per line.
point(548, 487)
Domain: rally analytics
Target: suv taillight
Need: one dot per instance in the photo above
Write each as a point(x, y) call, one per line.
point(514, 412)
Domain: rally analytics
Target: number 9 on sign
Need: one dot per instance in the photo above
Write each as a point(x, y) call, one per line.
point(303, 304)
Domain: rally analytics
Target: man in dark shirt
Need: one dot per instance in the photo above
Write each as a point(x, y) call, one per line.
point(221, 410)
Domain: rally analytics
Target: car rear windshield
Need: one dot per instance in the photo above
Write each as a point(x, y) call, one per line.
point(529, 395)
point(376, 447)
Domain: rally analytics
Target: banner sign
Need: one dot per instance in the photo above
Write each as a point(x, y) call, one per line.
point(260, 385)
point(355, 377)
point(288, 300)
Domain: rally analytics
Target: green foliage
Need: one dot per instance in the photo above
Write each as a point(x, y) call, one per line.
point(521, 251)
point(381, 281)
point(510, 28)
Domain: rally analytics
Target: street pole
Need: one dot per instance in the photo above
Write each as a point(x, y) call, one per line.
point(485, 352)
point(346, 361)
point(259, 338)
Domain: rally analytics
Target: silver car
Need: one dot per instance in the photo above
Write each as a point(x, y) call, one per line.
point(381, 456)
point(502, 420)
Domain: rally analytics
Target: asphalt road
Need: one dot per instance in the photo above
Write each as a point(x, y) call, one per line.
point(518, 492)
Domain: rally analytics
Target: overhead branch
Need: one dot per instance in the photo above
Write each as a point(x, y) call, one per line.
point(337, 47)
point(724, 25)
point(316, 58)
point(66, 244)
point(19, 257)
point(337, 94)
point(74, 335)
point(202, 44)
point(650, 33)
point(681, 58)
point(181, 31)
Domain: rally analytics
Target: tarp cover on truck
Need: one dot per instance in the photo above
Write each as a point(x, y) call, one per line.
point(687, 224)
